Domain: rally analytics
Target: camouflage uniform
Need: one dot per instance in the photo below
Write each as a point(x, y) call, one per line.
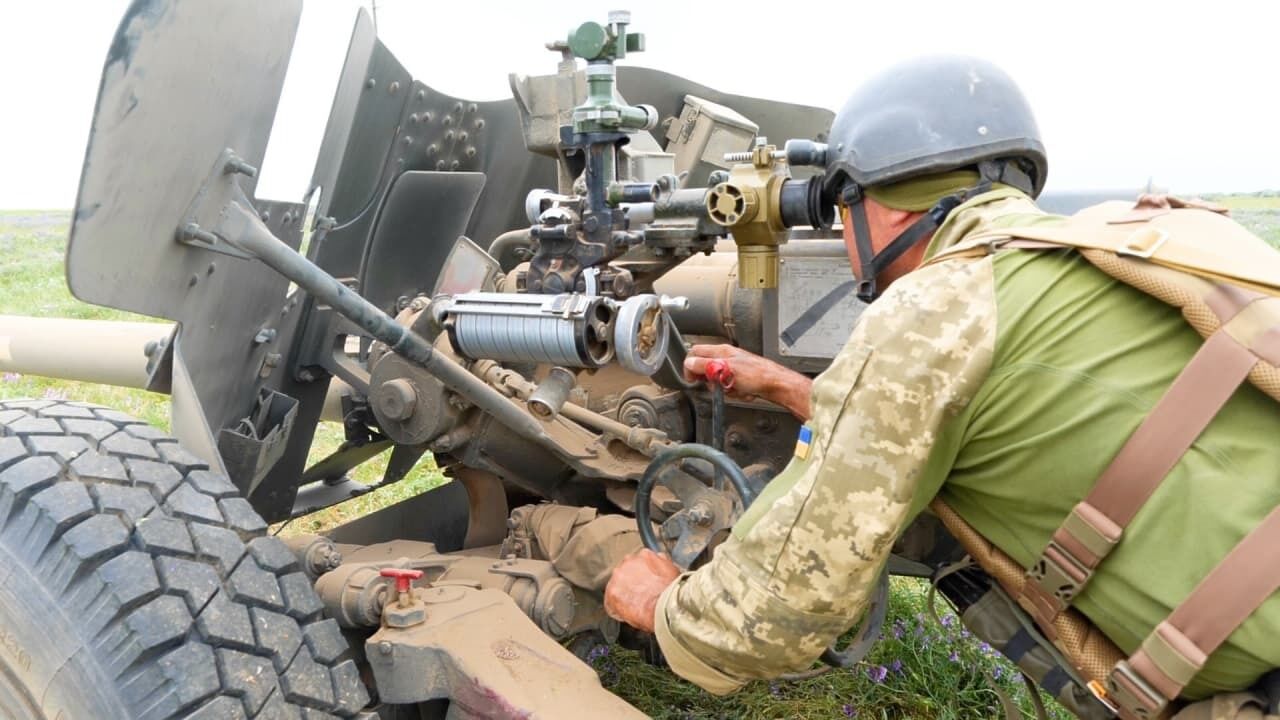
point(801, 562)
point(1012, 428)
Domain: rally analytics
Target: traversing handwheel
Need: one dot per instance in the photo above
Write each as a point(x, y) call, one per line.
point(706, 511)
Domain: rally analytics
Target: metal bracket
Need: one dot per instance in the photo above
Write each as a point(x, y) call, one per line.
point(537, 571)
point(591, 280)
point(189, 231)
point(323, 345)
point(252, 447)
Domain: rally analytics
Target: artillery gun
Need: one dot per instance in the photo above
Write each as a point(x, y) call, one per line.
point(509, 286)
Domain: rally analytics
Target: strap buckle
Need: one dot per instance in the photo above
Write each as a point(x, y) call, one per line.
point(851, 193)
point(1143, 242)
point(1099, 691)
point(1060, 573)
point(1085, 537)
point(1132, 694)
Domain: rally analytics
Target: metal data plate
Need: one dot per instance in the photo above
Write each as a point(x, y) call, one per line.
point(183, 82)
point(817, 306)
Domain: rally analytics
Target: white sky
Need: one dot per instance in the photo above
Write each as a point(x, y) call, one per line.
point(1123, 90)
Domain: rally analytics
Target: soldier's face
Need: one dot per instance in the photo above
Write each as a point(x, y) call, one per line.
point(885, 224)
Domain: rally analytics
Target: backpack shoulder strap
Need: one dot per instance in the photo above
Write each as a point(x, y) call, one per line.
point(1175, 651)
point(1095, 526)
point(1226, 282)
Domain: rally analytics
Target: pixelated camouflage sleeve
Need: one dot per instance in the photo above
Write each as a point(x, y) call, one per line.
point(803, 559)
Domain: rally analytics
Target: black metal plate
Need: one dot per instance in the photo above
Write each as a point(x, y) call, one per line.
point(423, 216)
point(384, 124)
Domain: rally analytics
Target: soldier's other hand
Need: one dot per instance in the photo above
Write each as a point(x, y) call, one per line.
point(633, 590)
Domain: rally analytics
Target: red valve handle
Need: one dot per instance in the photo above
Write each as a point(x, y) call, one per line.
point(719, 372)
point(404, 578)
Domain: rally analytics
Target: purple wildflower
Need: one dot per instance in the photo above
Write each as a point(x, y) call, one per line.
point(997, 672)
point(896, 667)
point(775, 690)
point(12, 377)
point(53, 394)
point(948, 621)
point(849, 710)
point(877, 674)
point(954, 656)
point(597, 652)
point(899, 629)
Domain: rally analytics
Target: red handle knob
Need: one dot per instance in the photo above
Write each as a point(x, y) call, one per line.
point(719, 372)
point(404, 578)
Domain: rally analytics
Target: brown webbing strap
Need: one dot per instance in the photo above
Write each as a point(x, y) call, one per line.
point(1095, 525)
point(1226, 301)
point(1176, 650)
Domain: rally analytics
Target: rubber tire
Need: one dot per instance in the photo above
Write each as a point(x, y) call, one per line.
point(135, 583)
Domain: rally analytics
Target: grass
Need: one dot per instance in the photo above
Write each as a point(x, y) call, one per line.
point(1260, 212)
point(920, 669)
point(1252, 202)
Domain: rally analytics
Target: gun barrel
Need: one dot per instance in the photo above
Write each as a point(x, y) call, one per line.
point(110, 352)
point(107, 352)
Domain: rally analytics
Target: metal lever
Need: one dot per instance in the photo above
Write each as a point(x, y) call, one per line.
point(240, 227)
point(720, 376)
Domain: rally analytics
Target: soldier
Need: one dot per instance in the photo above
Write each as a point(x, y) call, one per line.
point(1003, 383)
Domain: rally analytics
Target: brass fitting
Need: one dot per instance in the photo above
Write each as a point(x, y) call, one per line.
point(749, 204)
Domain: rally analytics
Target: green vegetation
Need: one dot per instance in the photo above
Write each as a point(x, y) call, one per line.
point(1262, 200)
point(920, 669)
point(1260, 212)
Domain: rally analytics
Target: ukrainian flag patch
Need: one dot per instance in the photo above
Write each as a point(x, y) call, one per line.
point(803, 441)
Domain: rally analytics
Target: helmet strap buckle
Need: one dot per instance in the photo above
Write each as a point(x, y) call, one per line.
point(851, 194)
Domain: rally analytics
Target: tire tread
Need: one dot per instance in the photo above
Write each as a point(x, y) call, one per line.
point(167, 570)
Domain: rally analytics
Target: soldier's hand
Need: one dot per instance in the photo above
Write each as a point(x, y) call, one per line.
point(754, 376)
point(633, 590)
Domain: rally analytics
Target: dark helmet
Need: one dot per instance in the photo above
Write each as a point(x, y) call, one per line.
point(935, 114)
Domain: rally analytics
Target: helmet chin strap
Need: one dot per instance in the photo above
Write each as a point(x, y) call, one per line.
point(871, 263)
